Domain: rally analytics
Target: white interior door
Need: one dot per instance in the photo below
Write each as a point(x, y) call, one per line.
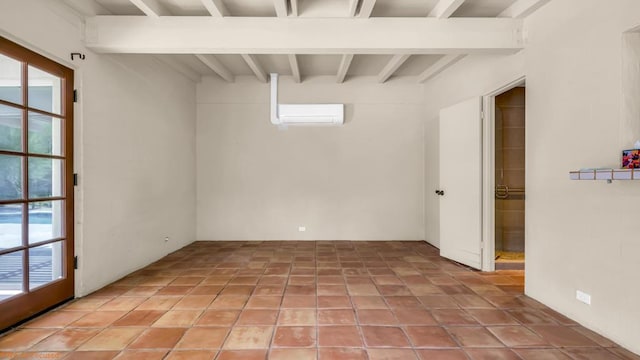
point(461, 182)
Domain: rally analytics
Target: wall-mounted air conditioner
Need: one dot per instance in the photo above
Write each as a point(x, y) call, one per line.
point(303, 114)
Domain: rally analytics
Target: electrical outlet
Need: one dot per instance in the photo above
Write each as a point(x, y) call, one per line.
point(166, 239)
point(302, 228)
point(583, 297)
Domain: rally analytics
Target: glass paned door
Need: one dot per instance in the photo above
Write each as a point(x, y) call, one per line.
point(36, 183)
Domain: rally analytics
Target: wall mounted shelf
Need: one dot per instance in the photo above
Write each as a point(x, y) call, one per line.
point(605, 174)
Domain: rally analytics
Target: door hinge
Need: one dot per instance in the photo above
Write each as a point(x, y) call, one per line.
point(75, 179)
point(75, 262)
point(75, 95)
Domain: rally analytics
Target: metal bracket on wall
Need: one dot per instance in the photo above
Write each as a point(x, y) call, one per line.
point(79, 55)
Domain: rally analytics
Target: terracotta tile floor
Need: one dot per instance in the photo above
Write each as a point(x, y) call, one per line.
point(308, 300)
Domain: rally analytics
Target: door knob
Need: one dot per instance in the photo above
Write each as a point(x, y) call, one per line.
point(440, 192)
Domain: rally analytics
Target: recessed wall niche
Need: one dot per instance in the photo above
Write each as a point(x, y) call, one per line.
point(630, 131)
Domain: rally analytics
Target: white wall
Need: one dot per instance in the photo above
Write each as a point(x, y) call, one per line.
point(134, 152)
point(579, 235)
point(360, 181)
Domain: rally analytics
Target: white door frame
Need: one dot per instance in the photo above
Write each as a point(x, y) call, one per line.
point(488, 174)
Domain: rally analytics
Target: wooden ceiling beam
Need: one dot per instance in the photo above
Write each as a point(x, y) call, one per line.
point(439, 66)
point(255, 66)
point(87, 7)
point(522, 8)
point(366, 8)
point(217, 67)
point(392, 66)
point(242, 35)
point(445, 8)
point(215, 7)
point(179, 66)
point(353, 8)
point(281, 8)
point(295, 68)
point(151, 8)
point(343, 69)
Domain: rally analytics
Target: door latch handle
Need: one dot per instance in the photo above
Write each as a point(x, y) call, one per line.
point(440, 192)
point(502, 191)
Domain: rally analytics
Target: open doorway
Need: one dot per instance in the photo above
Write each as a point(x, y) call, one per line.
point(509, 179)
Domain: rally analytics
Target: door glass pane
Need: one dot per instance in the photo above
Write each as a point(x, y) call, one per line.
point(10, 177)
point(45, 264)
point(10, 128)
point(44, 91)
point(11, 274)
point(10, 80)
point(10, 226)
point(45, 177)
point(45, 220)
point(45, 134)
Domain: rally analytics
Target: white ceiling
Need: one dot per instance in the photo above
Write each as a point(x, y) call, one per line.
point(315, 65)
point(481, 8)
point(315, 8)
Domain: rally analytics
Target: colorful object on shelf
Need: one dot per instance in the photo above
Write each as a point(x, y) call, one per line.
point(631, 159)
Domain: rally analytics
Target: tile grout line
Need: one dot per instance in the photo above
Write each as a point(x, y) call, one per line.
point(353, 261)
